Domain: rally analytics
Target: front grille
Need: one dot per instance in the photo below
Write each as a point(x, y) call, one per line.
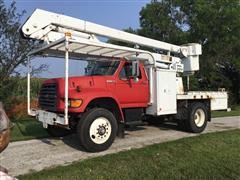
point(48, 97)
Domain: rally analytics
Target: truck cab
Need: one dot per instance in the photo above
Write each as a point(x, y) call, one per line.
point(104, 79)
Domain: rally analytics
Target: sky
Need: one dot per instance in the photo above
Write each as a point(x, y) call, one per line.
point(119, 14)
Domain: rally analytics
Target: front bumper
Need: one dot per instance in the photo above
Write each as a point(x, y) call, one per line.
point(50, 118)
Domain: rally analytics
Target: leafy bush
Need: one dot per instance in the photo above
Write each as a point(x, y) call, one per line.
point(14, 96)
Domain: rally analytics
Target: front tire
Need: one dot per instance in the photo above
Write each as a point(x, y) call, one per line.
point(198, 117)
point(97, 129)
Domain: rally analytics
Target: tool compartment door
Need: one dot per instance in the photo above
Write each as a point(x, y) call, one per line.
point(164, 93)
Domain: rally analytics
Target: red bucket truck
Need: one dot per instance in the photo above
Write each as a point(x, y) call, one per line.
point(122, 85)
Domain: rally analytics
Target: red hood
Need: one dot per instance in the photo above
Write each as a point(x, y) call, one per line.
point(85, 83)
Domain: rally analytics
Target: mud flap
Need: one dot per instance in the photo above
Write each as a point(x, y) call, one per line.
point(121, 130)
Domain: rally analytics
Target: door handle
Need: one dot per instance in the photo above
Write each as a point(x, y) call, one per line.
point(110, 81)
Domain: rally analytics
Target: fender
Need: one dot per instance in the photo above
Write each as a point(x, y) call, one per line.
point(91, 95)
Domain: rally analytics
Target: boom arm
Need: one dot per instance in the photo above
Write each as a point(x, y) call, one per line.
point(48, 26)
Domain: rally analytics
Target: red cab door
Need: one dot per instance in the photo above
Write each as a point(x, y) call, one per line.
point(130, 92)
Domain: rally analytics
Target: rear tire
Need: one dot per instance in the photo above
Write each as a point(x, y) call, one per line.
point(181, 123)
point(197, 117)
point(56, 131)
point(97, 129)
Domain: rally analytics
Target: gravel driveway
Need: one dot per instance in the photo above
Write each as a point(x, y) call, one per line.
point(34, 155)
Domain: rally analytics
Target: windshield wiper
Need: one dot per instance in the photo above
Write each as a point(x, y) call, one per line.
point(96, 74)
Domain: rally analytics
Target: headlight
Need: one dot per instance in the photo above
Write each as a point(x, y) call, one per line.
point(75, 103)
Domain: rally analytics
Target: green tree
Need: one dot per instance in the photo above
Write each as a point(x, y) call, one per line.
point(216, 25)
point(213, 23)
point(13, 50)
point(162, 21)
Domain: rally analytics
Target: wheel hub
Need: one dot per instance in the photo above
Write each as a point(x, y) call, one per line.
point(100, 130)
point(199, 117)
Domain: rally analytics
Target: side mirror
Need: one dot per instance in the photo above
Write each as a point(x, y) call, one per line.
point(135, 70)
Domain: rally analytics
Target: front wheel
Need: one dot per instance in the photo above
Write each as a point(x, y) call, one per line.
point(97, 129)
point(198, 116)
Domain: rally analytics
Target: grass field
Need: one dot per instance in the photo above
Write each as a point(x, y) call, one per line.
point(27, 129)
point(234, 112)
point(208, 156)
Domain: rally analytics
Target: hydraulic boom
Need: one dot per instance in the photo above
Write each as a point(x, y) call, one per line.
point(48, 26)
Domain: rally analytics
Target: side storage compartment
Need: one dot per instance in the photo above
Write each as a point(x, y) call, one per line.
point(219, 100)
point(164, 93)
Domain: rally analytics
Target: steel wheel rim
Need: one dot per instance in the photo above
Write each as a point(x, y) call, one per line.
point(199, 117)
point(100, 130)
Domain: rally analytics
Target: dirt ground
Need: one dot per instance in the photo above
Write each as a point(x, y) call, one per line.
point(34, 155)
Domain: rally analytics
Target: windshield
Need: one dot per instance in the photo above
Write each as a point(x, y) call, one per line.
point(102, 67)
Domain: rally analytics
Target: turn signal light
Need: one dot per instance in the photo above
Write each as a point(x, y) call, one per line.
point(75, 103)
